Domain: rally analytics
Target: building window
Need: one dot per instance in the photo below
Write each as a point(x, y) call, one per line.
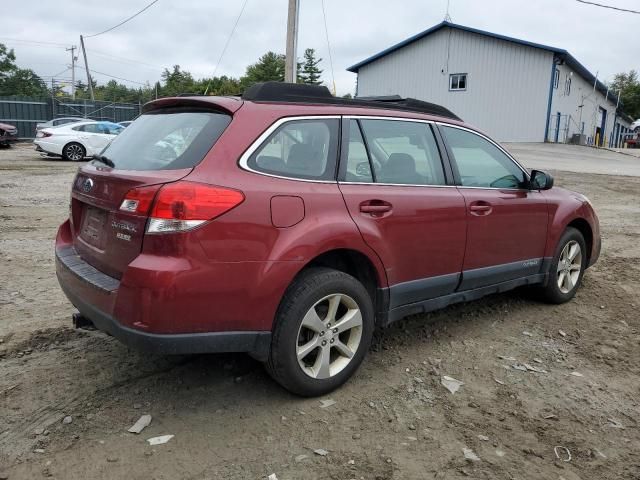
point(556, 78)
point(458, 81)
point(567, 86)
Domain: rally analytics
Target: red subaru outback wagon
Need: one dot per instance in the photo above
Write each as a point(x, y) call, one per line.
point(288, 224)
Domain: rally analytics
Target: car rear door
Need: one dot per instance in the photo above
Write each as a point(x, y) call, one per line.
point(507, 222)
point(88, 135)
point(394, 184)
point(101, 137)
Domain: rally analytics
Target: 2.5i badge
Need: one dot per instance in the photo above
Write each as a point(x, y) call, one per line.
point(126, 226)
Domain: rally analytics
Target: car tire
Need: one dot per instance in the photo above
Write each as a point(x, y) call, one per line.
point(74, 152)
point(567, 268)
point(309, 356)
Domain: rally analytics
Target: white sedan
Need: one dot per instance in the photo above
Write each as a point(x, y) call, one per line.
point(77, 140)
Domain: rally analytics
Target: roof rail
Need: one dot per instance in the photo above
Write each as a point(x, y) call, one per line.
point(314, 94)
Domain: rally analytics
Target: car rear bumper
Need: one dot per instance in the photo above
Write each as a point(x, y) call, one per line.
point(48, 147)
point(254, 343)
point(95, 294)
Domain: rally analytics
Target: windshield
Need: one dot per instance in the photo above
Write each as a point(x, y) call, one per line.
point(166, 139)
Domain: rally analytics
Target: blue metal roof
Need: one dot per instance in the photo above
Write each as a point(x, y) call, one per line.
point(560, 53)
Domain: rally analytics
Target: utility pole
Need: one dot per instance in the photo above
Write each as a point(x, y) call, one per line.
point(291, 62)
point(86, 66)
point(73, 70)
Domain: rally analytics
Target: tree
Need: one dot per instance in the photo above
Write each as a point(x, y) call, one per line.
point(18, 81)
point(309, 71)
point(23, 81)
point(177, 82)
point(221, 86)
point(7, 61)
point(629, 87)
point(269, 67)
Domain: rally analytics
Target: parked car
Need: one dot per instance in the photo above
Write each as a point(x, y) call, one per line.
point(57, 122)
point(8, 134)
point(289, 224)
point(635, 126)
point(77, 140)
point(126, 123)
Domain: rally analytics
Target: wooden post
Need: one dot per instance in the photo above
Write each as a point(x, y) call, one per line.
point(291, 63)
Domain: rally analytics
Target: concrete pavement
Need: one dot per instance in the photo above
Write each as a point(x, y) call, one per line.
point(574, 158)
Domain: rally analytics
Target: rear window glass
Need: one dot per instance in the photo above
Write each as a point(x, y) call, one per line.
point(304, 149)
point(167, 139)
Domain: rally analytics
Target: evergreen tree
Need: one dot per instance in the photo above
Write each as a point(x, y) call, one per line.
point(269, 67)
point(309, 71)
point(177, 82)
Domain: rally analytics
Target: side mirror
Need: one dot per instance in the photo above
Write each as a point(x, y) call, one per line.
point(540, 180)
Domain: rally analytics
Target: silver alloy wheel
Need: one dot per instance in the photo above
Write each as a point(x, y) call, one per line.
point(569, 266)
point(329, 336)
point(74, 152)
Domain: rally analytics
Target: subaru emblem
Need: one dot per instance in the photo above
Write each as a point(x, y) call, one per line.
point(87, 185)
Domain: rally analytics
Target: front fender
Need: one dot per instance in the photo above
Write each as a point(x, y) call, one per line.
point(565, 208)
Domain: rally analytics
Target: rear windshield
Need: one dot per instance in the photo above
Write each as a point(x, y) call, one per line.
point(167, 139)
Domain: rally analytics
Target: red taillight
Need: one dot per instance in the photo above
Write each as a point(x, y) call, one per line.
point(194, 201)
point(139, 200)
point(41, 134)
point(180, 206)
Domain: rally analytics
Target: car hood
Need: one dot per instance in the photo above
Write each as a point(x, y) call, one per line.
point(6, 126)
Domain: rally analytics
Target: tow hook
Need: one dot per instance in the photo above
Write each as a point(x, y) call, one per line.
point(82, 322)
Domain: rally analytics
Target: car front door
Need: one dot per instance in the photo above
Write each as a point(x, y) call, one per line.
point(507, 222)
point(408, 211)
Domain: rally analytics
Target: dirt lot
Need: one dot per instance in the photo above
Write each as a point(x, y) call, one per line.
point(393, 420)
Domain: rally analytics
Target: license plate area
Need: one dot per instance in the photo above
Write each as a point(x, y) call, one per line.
point(94, 226)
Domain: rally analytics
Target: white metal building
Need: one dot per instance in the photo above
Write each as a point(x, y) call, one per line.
point(512, 89)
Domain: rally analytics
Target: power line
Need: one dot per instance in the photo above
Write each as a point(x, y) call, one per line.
point(609, 6)
point(124, 21)
point(63, 71)
point(36, 42)
point(326, 32)
point(124, 60)
point(244, 4)
point(117, 78)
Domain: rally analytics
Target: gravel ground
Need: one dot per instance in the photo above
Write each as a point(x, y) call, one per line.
point(67, 398)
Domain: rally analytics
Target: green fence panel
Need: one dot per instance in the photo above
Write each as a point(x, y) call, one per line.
point(27, 112)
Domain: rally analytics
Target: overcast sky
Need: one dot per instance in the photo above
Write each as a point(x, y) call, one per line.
point(192, 33)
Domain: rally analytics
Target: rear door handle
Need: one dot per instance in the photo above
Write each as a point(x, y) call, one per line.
point(375, 207)
point(480, 208)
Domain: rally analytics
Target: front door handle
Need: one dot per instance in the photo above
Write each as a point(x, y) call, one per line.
point(480, 208)
point(375, 207)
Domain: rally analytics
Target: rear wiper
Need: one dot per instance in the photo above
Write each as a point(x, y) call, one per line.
point(104, 159)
